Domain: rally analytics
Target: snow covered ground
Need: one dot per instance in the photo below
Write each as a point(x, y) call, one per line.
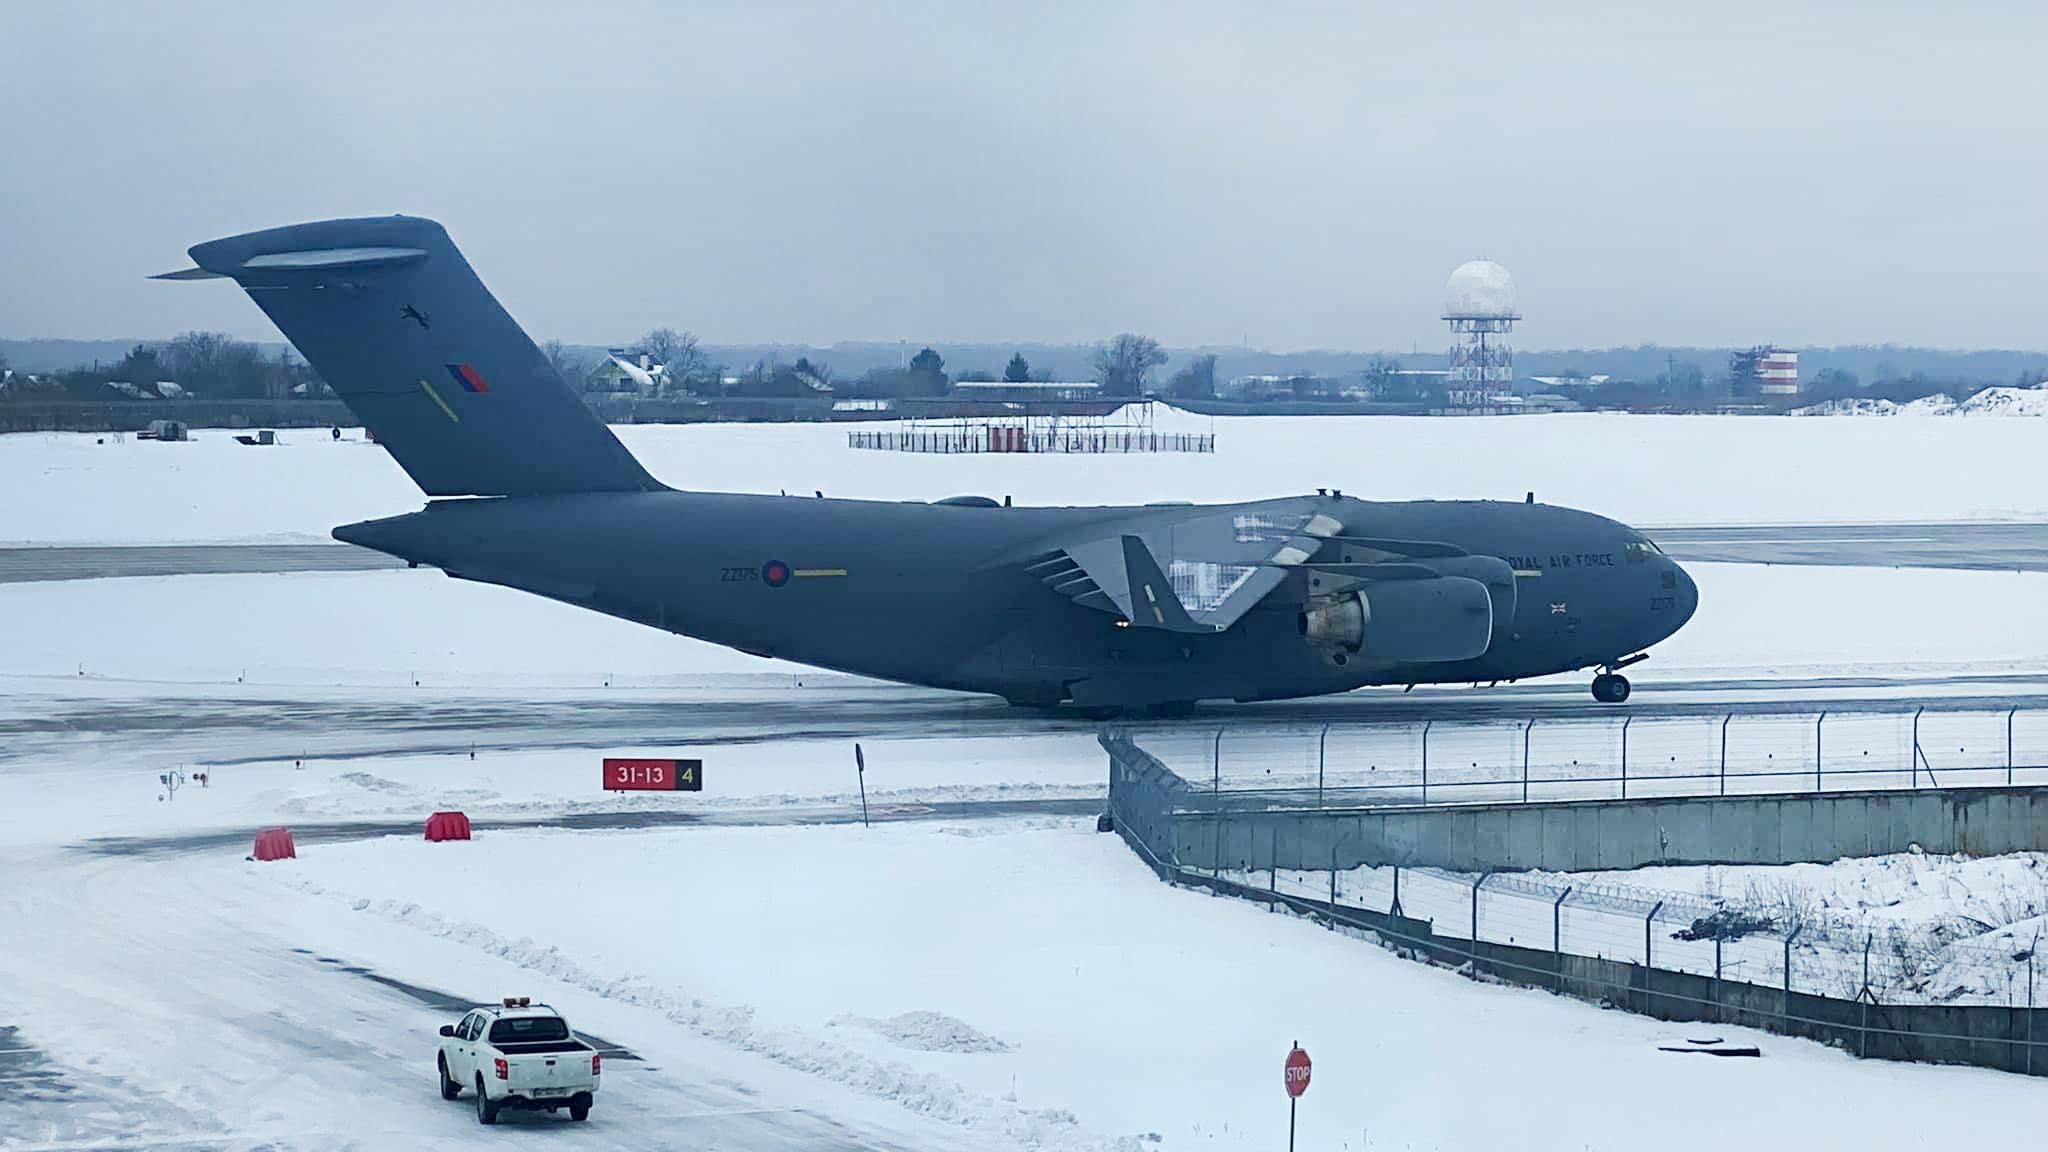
point(998, 983)
point(1939, 929)
point(1640, 469)
point(1017, 984)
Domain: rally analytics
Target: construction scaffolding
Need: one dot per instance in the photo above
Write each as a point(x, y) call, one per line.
point(1023, 428)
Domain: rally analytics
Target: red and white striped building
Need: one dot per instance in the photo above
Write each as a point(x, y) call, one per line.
point(1777, 373)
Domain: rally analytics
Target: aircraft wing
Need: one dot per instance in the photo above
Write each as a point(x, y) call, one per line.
point(1197, 573)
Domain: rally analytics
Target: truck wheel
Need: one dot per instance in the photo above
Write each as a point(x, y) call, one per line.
point(449, 1088)
point(486, 1112)
point(579, 1111)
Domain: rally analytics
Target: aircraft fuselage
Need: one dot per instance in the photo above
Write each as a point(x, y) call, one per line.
point(939, 594)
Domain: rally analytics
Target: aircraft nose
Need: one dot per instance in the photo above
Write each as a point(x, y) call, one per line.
point(1688, 593)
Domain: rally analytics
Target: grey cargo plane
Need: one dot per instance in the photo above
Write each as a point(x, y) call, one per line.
point(1148, 608)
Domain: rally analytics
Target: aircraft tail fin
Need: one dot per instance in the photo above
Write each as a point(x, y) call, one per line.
point(397, 323)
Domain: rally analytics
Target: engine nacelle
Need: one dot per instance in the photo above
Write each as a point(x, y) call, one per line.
point(1336, 623)
point(1438, 620)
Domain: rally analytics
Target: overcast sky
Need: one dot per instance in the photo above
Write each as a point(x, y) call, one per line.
point(1294, 176)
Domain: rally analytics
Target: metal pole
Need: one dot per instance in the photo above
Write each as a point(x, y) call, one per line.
point(1557, 933)
point(1291, 1102)
point(1216, 758)
point(1916, 745)
point(1395, 910)
point(1863, 1029)
point(1788, 962)
point(1624, 755)
point(2008, 764)
point(860, 770)
point(1333, 877)
point(1525, 759)
point(2030, 1003)
point(1724, 752)
point(1654, 909)
point(1425, 761)
point(1475, 912)
point(1322, 745)
point(1816, 750)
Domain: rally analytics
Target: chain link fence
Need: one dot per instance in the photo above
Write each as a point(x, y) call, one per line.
point(1916, 957)
point(1616, 757)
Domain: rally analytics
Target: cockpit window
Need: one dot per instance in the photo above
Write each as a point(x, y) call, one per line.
point(1640, 549)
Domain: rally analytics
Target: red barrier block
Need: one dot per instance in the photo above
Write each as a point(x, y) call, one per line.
point(448, 826)
point(275, 844)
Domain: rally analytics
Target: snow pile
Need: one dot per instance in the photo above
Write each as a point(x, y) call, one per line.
point(927, 1032)
point(2001, 401)
point(925, 1093)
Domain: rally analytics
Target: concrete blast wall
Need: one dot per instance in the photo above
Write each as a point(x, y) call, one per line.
point(1585, 835)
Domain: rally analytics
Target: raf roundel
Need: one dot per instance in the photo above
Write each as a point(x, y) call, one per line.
point(775, 573)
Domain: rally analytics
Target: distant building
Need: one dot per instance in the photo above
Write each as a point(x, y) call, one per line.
point(1777, 373)
point(626, 371)
point(1020, 392)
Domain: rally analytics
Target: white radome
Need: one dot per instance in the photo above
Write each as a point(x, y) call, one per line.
point(1480, 288)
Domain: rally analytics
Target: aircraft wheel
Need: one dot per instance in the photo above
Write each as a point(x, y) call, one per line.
point(1610, 688)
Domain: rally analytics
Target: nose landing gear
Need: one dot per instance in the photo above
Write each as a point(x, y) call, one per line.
point(1610, 688)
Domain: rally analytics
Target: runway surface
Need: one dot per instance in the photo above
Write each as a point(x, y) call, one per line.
point(201, 729)
point(1998, 547)
point(2002, 547)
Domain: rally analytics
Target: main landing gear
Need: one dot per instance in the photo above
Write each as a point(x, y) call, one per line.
point(1610, 686)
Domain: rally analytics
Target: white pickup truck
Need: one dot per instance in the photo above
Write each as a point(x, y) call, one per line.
point(518, 1055)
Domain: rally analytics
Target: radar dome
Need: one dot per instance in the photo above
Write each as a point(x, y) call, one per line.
point(1480, 288)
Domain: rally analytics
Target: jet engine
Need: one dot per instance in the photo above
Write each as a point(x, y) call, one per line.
point(1434, 620)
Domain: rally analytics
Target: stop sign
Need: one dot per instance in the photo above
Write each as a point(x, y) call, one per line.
point(1297, 1071)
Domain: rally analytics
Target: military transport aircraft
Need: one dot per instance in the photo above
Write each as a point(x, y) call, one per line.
point(1150, 608)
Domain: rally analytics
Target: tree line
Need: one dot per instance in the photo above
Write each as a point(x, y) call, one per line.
point(212, 365)
point(1122, 368)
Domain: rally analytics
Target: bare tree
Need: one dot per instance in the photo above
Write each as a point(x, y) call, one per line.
point(1196, 381)
point(683, 363)
point(566, 366)
point(1124, 363)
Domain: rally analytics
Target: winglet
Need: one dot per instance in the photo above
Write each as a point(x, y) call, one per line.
point(1153, 604)
point(190, 274)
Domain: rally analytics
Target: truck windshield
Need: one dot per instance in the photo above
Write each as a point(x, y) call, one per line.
point(529, 1030)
